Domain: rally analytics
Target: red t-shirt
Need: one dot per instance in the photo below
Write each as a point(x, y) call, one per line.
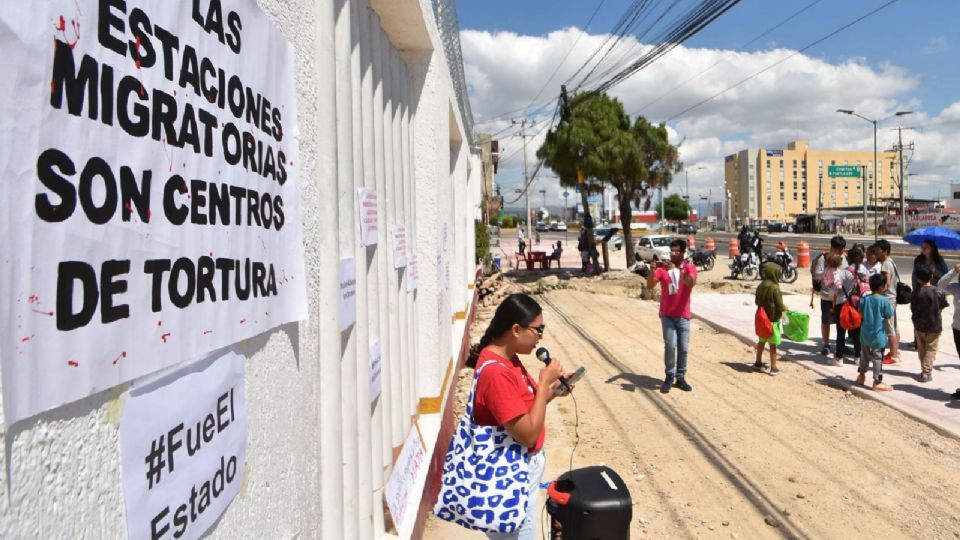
point(504, 392)
point(677, 304)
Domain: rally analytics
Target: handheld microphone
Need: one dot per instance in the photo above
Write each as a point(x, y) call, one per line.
point(544, 356)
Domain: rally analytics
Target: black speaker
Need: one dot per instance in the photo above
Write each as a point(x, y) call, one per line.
point(592, 503)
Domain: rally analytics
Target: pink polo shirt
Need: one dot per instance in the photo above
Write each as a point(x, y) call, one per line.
point(678, 304)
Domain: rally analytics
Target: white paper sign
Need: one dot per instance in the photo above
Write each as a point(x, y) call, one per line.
point(369, 212)
point(183, 439)
point(375, 367)
point(403, 477)
point(399, 235)
point(150, 194)
point(348, 293)
point(413, 273)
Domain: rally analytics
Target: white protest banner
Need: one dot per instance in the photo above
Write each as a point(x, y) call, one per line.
point(404, 477)
point(398, 233)
point(348, 293)
point(369, 212)
point(183, 440)
point(375, 369)
point(151, 207)
point(413, 273)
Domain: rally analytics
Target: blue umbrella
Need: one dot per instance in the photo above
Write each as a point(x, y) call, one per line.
point(943, 237)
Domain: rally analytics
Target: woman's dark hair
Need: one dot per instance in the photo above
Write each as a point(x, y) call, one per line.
point(855, 255)
point(934, 252)
point(515, 309)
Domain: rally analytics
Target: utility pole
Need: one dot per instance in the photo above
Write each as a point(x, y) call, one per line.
point(876, 230)
point(526, 181)
point(820, 205)
point(863, 181)
point(903, 200)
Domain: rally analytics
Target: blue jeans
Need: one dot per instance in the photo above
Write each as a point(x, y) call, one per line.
point(676, 343)
point(528, 530)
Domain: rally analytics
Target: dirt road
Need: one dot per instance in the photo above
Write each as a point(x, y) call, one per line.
point(744, 455)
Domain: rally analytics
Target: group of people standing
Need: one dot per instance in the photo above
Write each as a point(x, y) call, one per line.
point(867, 279)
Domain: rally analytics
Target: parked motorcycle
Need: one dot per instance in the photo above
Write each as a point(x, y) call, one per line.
point(784, 259)
point(704, 259)
point(746, 265)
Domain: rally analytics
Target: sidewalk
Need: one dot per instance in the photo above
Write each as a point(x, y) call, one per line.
point(929, 403)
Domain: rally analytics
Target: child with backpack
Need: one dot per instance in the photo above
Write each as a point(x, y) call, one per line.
point(925, 307)
point(876, 325)
point(817, 270)
point(770, 300)
point(854, 283)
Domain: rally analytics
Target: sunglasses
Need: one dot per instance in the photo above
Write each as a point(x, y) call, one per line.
point(538, 329)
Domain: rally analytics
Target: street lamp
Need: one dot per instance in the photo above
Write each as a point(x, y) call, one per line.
point(875, 177)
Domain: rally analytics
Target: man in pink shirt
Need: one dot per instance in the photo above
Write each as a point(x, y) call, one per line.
point(677, 279)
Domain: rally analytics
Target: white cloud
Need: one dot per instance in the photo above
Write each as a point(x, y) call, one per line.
point(796, 99)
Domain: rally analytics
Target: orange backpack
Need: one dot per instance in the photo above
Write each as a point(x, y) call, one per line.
point(850, 318)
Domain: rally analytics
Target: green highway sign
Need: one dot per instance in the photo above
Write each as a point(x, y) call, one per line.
point(843, 171)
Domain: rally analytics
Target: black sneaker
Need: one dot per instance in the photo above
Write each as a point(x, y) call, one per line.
point(665, 386)
point(825, 351)
point(956, 395)
point(682, 384)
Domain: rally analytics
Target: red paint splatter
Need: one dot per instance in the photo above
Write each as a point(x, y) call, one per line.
point(26, 339)
point(211, 254)
point(159, 323)
point(121, 355)
point(165, 336)
point(61, 28)
point(33, 299)
point(205, 332)
point(242, 321)
point(72, 363)
point(47, 313)
point(149, 213)
point(267, 312)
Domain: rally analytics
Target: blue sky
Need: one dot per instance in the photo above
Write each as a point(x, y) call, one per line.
point(903, 57)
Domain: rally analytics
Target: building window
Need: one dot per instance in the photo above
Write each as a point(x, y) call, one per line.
point(833, 185)
point(794, 164)
point(769, 207)
point(782, 185)
point(794, 174)
point(783, 195)
point(768, 175)
point(768, 163)
point(794, 185)
point(781, 163)
point(858, 162)
point(956, 194)
point(833, 162)
point(795, 196)
point(820, 163)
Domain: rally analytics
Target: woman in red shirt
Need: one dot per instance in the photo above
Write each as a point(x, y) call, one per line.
point(507, 394)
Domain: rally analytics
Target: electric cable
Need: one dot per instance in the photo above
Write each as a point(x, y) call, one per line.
point(782, 60)
point(738, 49)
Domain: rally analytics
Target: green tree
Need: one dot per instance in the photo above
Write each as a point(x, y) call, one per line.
point(598, 139)
point(675, 208)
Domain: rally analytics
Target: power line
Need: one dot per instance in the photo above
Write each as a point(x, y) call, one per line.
point(782, 60)
point(570, 50)
point(740, 48)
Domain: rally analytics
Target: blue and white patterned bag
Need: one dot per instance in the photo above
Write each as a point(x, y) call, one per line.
point(485, 476)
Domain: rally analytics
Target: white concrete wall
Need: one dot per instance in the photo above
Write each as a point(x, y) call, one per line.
point(371, 113)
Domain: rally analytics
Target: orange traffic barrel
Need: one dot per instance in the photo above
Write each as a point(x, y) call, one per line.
point(691, 242)
point(803, 254)
point(709, 245)
point(734, 248)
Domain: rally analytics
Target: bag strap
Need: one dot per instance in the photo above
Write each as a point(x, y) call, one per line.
point(473, 389)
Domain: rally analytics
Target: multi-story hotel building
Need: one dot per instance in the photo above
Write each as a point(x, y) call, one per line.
point(779, 184)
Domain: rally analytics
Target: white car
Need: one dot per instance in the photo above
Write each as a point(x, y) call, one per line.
point(560, 226)
point(654, 247)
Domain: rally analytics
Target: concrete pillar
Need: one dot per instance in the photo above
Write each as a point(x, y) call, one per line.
point(348, 116)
